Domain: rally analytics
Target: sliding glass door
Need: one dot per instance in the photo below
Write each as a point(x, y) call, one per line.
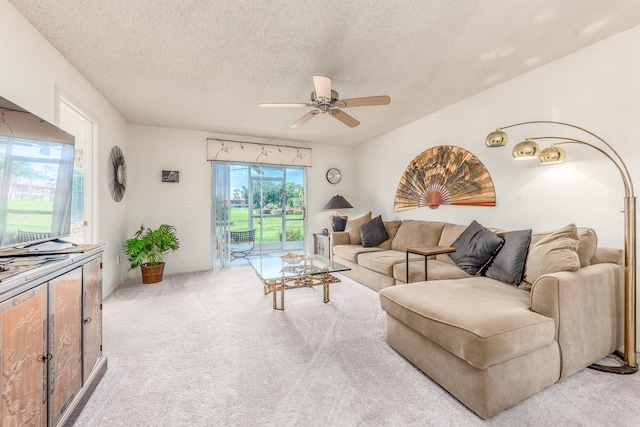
point(266, 198)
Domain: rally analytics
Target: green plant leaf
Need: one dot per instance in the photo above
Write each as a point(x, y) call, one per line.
point(148, 246)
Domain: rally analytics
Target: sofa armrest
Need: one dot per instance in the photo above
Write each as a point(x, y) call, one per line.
point(607, 254)
point(588, 308)
point(338, 238)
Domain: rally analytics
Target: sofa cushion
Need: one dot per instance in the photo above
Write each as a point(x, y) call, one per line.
point(508, 264)
point(339, 222)
point(475, 248)
point(353, 227)
point(437, 270)
point(373, 233)
point(480, 320)
point(382, 261)
point(392, 228)
point(557, 251)
point(417, 234)
point(351, 252)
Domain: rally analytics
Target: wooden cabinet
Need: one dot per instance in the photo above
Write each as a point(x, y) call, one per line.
point(321, 245)
point(23, 361)
point(51, 340)
point(91, 316)
point(65, 326)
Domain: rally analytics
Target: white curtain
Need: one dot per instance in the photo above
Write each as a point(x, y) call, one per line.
point(220, 214)
point(61, 206)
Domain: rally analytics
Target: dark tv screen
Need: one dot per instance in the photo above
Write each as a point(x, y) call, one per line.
point(36, 178)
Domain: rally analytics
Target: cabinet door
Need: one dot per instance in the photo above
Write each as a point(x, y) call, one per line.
point(23, 351)
point(65, 319)
point(321, 245)
point(92, 316)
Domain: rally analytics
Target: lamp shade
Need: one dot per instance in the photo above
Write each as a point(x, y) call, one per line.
point(496, 139)
point(337, 202)
point(526, 149)
point(551, 155)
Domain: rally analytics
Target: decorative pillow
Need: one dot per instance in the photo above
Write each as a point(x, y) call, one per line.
point(587, 244)
point(338, 222)
point(354, 230)
point(373, 232)
point(508, 264)
point(557, 251)
point(475, 248)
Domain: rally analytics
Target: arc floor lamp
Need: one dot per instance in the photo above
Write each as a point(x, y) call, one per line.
point(555, 154)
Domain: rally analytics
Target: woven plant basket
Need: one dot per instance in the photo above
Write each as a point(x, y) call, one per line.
point(152, 273)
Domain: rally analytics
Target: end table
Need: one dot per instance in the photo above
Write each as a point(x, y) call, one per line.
point(426, 252)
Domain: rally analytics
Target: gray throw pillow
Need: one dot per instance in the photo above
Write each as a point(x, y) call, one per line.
point(338, 223)
point(508, 264)
point(373, 232)
point(475, 248)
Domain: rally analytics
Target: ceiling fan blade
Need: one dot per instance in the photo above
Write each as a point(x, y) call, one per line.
point(304, 119)
point(322, 85)
point(344, 118)
point(284, 104)
point(366, 101)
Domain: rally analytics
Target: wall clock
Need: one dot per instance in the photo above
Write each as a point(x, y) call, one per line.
point(334, 176)
point(117, 173)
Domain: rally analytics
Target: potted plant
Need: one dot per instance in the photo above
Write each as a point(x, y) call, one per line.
point(147, 249)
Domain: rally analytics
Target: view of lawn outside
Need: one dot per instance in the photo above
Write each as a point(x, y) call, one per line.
point(271, 225)
point(36, 215)
point(33, 215)
point(268, 199)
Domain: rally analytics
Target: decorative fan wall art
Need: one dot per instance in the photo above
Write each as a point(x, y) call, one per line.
point(117, 173)
point(444, 175)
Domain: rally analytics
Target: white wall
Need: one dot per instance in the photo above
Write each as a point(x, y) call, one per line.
point(597, 88)
point(152, 202)
point(30, 71)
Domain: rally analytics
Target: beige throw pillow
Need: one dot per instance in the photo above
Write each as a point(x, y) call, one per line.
point(587, 246)
point(353, 227)
point(557, 251)
point(392, 229)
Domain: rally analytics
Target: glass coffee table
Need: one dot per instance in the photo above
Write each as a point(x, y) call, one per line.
point(278, 275)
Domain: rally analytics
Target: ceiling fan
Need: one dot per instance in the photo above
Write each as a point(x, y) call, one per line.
point(325, 100)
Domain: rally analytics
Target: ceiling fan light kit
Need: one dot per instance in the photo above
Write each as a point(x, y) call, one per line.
point(325, 100)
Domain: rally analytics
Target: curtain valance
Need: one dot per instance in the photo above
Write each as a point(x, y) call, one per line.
point(251, 152)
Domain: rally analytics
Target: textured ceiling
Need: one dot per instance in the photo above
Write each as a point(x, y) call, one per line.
point(206, 65)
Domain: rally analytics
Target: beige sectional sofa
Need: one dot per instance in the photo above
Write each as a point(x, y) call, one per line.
point(489, 343)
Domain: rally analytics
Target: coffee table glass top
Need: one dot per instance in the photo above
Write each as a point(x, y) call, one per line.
point(275, 268)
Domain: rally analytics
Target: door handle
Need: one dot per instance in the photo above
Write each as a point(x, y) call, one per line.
point(44, 358)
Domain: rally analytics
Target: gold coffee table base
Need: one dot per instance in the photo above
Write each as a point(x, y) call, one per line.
point(281, 285)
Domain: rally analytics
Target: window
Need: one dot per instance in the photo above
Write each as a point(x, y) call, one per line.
point(80, 125)
point(266, 198)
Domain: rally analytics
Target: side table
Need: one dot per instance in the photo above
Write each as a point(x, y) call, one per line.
point(426, 252)
point(321, 245)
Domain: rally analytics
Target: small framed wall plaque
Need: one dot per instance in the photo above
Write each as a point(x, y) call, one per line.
point(171, 176)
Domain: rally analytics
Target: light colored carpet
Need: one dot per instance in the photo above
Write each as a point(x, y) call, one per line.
point(207, 349)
